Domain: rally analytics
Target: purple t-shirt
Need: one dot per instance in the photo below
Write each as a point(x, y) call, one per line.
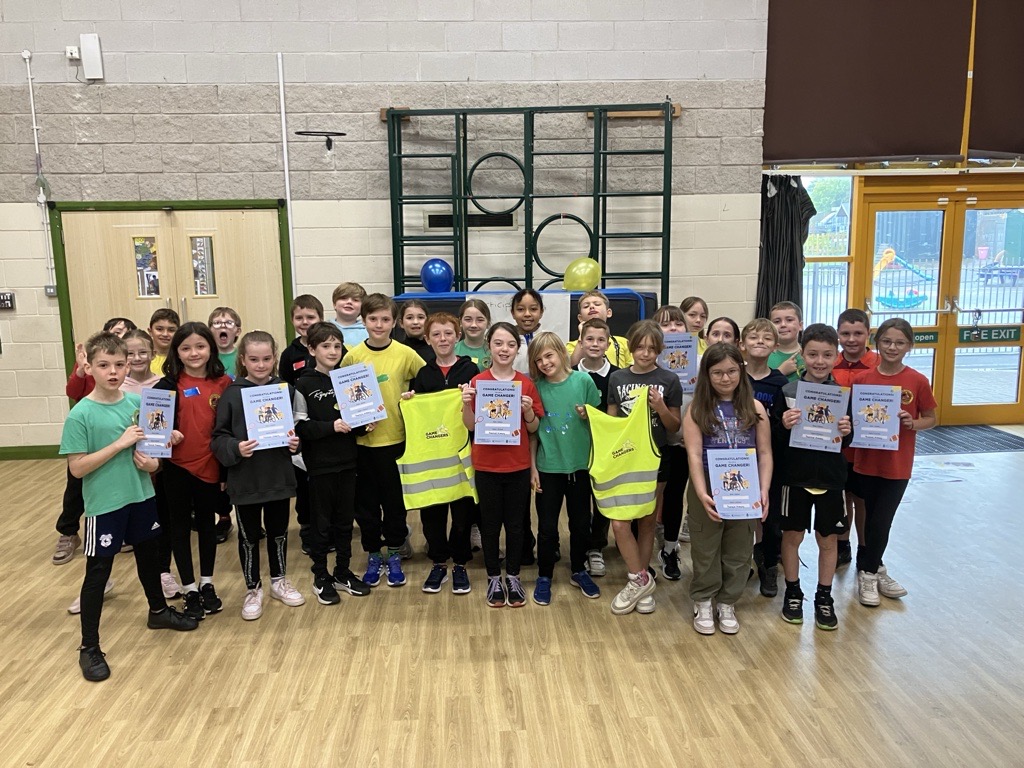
point(728, 433)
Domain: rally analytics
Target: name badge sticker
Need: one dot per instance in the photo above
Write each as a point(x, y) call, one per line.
point(191, 392)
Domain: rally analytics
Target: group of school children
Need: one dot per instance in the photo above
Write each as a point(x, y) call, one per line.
point(743, 398)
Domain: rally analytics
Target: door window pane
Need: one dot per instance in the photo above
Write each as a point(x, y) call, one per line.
point(146, 273)
point(984, 375)
point(922, 360)
point(826, 287)
point(829, 230)
point(203, 275)
point(905, 274)
point(992, 269)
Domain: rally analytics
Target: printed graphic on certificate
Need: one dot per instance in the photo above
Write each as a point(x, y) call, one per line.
point(268, 415)
point(358, 395)
point(156, 417)
point(680, 357)
point(876, 421)
point(499, 407)
point(735, 485)
point(821, 406)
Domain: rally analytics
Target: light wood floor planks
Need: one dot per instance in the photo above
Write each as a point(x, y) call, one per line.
point(403, 678)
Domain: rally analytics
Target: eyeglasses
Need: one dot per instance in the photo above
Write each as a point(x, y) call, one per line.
point(725, 374)
point(894, 343)
point(222, 324)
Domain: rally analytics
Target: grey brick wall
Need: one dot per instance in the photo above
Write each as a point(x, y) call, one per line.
point(126, 142)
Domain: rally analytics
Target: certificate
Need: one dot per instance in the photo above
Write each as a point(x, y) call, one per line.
point(821, 406)
point(876, 422)
point(156, 417)
point(268, 415)
point(735, 484)
point(680, 357)
point(499, 408)
point(358, 395)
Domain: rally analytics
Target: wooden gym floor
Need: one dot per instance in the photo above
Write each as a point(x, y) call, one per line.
point(408, 679)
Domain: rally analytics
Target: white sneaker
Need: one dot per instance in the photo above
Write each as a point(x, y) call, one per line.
point(888, 586)
point(76, 605)
point(631, 594)
point(727, 619)
point(646, 604)
point(703, 621)
point(252, 606)
point(170, 586)
point(282, 590)
point(595, 563)
point(684, 530)
point(867, 588)
point(475, 542)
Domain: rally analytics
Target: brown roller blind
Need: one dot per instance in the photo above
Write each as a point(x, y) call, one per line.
point(997, 98)
point(865, 80)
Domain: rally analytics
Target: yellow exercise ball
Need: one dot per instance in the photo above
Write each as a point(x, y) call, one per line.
point(582, 275)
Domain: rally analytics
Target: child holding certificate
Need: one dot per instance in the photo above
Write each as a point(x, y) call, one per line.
point(723, 415)
point(260, 482)
point(695, 310)
point(884, 475)
point(503, 471)
point(192, 474)
point(811, 479)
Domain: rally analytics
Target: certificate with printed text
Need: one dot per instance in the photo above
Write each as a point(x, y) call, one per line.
point(358, 395)
point(876, 422)
point(499, 407)
point(735, 484)
point(156, 417)
point(680, 357)
point(268, 415)
point(821, 406)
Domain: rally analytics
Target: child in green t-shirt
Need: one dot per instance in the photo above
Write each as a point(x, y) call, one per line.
point(788, 321)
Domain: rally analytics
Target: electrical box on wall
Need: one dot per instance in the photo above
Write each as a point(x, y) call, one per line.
point(92, 56)
point(7, 300)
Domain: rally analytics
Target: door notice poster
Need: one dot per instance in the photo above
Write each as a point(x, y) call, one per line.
point(876, 422)
point(268, 415)
point(735, 485)
point(821, 406)
point(358, 395)
point(680, 358)
point(499, 407)
point(156, 417)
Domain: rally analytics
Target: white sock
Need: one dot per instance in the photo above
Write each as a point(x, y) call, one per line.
point(190, 588)
point(671, 546)
point(277, 579)
point(204, 580)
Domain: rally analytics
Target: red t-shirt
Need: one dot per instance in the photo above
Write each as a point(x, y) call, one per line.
point(845, 371)
point(917, 397)
point(196, 408)
point(507, 458)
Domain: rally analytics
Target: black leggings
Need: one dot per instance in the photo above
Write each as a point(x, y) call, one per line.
point(187, 495)
point(273, 515)
point(503, 497)
point(163, 514)
point(675, 489)
point(70, 520)
point(882, 498)
point(97, 572)
point(443, 542)
point(575, 489)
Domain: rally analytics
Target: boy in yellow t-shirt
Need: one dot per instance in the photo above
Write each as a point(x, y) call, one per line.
point(594, 306)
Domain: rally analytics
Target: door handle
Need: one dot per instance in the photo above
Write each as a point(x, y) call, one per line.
point(184, 310)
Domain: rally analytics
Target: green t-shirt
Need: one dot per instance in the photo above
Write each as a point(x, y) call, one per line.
point(777, 358)
point(91, 426)
point(229, 359)
point(479, 355)
point(564, 439)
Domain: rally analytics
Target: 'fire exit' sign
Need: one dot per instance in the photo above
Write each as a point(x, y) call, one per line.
point(990, 333)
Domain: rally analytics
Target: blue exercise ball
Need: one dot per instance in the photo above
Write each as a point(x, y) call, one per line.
point(437, 276)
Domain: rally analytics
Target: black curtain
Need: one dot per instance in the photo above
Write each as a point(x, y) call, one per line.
point(786, 211)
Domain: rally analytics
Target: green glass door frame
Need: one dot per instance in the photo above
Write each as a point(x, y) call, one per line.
point(56, 209)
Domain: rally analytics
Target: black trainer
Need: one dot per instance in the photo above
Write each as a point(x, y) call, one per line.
point(223, 528)
point(438, 576)
point(94, 666)
point(193, 607)
point(211, 603)
point(793, 606)
point(769, 580)
point(824, 613)
point(326, 594)
point(844, 552)
point(169, 618)
point(349, 582)
point(670, 564)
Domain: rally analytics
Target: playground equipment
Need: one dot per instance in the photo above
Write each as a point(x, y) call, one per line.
point(896, 280)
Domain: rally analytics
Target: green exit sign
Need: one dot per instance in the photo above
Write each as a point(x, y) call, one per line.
point(920, 337)
point(990, 333)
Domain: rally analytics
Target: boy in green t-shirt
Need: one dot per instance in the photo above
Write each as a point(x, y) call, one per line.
point(789, 322)
point(99, 438)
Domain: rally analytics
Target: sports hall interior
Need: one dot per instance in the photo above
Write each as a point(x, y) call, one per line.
point(266, 126)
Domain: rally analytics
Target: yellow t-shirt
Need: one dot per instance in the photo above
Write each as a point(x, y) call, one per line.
point(395, 367)
point(617, 352)
point(156, 365)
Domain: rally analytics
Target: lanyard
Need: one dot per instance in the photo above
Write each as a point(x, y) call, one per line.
point(731, 435)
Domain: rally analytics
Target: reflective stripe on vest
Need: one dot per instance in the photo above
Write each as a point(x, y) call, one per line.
point(436, 467)
point(624, 461)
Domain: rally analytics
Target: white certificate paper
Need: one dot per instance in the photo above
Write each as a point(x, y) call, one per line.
point(876, 422)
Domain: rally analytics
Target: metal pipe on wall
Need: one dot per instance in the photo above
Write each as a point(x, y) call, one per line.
point(41, 198)
point(287, 168)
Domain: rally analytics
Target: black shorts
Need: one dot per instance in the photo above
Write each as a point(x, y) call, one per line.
point(131, 524)
point(853, 482)
point(663, 468)
point(829, 510)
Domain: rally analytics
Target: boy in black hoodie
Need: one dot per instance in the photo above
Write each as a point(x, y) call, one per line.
point(810, 479)
point(329, 451)
point(445, 370)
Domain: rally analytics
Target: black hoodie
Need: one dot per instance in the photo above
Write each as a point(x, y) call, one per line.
point(432, 379)
point(324, 451)
point(802, 467)
point(266, 475)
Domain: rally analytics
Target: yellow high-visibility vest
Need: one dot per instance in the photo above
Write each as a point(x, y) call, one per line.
point(624, 461)
point(437, 466)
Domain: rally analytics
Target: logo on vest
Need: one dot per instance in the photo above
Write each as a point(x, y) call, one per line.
point(438, 434)
point(622, 450)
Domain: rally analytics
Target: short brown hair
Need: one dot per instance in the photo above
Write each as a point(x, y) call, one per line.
point(760, 325)
point(594, 293)
point(164, 314)
point(645, 329)
point(307, 301)
point(668, 314)
point(105, 341)
point(348, 291)
point(318, 333)
point(225, 311)
point(788, 305)
point(595, 323)
point(375, 302)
